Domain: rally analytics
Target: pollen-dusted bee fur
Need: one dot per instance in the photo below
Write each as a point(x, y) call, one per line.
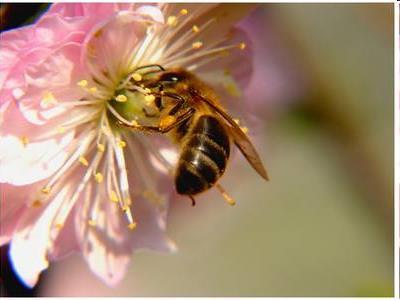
point(191, 115)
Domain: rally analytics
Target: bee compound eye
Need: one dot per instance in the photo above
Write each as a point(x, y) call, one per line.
point(171, 77)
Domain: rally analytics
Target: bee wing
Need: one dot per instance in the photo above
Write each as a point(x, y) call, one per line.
point(241, 140)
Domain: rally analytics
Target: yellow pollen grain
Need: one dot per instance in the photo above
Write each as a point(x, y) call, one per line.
point(92, 222)
point(184, 11)
point(125, 208)
point(137, 77)
point(98, 177)
point(83, 161)
point(237, 121)
point(60, 129)
point(149, 99)
point(100, 148)
point(59, 225)
point(195, 29)
point(244, 129)
point(114, 197)
point(121, 98)
point(83, 83)
point(24, 140)
point(242, 46)
point(197, 45)
point(147, 90)
point(172, 21)
point(121, 144)
point(46, 190)
point(132, 226)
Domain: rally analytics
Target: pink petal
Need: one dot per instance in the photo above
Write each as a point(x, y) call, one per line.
point(110, 47)
point(30, 244)
point(24, 164)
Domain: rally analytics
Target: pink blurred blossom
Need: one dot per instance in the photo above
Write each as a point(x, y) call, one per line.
point(69, 180)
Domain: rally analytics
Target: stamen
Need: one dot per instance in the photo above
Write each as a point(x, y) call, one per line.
point(113, 197)
point(195, 29)
point(93, 90)
point(92, 222)
point(132, 226)
point(46, 190)
point(197, 45)
point(172, 21)
point(83, 161)
point(184, 11)
point(121, 143)
point(83, 83)
point(100, 147)
point(121, 98)
point(242, 46)
point(24, 140)
point(137, 77)
point(98, 177)
point(149, 99)
point(48, 100)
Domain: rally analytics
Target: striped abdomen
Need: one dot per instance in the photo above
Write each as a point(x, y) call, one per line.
point(204, 156)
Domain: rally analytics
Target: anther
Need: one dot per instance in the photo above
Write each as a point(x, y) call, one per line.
point(83, 161)
point(100, 148)
point(48, 100)
point(121, 98)
point(184, 11)
point(132, 226)
point(83, 83)
point(197, 45)
point(60, 129)
point(59, 225)
point(137, 77)
point(37, 203)
point(98, 177)
point(242, 46)
point(125, 208)
point(46, 190)
point(24, 140)
point(93, 90)
point(195, 29)
point(134, 123)
point(244, 129)
point(92, 222)
point(113, 197)
point(172, 21)
point(149, 99)
point(121, 143)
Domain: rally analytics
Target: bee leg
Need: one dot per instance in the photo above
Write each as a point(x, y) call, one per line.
point(169, 123)
point(160, 68)
point(227, 198)
point(193, 201)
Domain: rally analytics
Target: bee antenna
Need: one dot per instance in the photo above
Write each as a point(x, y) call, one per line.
point(192, 199)
point(228, 199)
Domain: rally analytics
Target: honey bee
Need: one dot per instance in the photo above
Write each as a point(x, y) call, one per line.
point(191, 115)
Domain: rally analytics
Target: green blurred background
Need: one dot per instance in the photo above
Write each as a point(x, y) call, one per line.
point(323, 225)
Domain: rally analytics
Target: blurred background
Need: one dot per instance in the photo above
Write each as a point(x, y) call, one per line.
point(321, 115)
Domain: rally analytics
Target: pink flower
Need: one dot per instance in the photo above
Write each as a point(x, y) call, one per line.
point(70, 179)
